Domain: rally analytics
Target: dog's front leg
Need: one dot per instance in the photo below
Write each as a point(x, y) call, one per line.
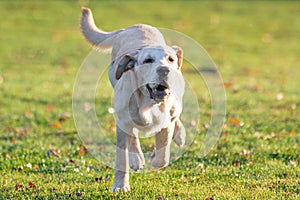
point(136, 156)
point(163, 140)
point(179, 133)
point(121, 181)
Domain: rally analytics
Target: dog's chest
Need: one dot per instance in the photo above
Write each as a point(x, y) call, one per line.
point(156, 119)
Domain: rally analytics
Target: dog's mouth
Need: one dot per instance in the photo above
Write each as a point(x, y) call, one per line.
point(158, 92)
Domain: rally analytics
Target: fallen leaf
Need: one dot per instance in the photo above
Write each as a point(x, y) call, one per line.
point(18, 186)
point(111, 124)
point(82, 151)
point(9, 128)
point(227, 84)
point(55, 125)
point(235, 122)
point(292, 133)
point(30, 184)
point(224, 133)
point(36, 167)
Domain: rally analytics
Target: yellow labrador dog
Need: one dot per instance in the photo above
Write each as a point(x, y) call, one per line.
point(148, 90)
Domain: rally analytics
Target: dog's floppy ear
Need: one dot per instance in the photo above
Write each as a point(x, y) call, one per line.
point(179, 54)
point(126, 63)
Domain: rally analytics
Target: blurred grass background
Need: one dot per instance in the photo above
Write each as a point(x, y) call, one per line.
point(256, 47)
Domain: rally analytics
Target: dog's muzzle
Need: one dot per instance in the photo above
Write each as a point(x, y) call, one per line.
point(158, 92)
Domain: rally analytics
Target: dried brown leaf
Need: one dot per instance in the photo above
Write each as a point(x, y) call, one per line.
point(82, 151)
point(55, 125)
point(227, 84)
point(292, 133)
point(18, 186)
point(30, 184)
point(234, 122)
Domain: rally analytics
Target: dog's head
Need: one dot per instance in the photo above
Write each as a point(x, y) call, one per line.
point(157, 69)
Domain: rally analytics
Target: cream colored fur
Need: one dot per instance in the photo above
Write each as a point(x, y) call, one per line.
point(141, 62)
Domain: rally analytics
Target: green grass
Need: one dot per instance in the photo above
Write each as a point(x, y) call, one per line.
point(256, 47)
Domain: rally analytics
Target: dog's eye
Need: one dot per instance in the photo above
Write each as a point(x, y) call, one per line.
point(148, 60)
point(171, 59)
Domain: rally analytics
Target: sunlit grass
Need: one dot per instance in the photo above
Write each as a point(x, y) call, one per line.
point(256, 47)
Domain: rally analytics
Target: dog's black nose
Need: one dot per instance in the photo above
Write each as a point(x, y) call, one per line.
point(162, 71)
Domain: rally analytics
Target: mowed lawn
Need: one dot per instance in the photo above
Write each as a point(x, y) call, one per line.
point(256, 47)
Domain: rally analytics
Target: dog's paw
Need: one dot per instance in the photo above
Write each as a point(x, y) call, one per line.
point(158, 162)
point(136, 160)
point(179, 134)
point(125, 188)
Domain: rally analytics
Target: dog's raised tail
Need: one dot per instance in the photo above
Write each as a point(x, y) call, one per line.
point(98, 38)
